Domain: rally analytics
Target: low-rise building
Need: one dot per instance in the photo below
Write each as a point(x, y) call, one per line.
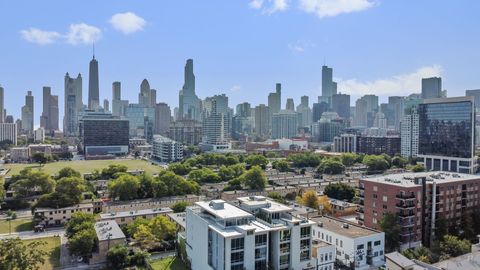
point(324, 254)
point(341, 208)
point(356, 246)
point(49, 217)
point(19, 154)
point(109, 235)
point(126, 217)
point(166, 149)
point(135, 205)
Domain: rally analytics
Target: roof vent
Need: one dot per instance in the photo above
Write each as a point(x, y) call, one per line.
point(345, 225)
point(217, 204)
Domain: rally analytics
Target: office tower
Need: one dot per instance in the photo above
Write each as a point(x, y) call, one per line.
point(474, 93)
point(216, 123)
point(242, 127)
point(104, 135)
point(444, 196)
point(188, 132)
point(9, 119)
point(365, 110)
point(275, 99)
point(380, 120)
point(116, 90)
point(262, 121)
point(93, 85)
point(144, 95)
point(163, 117)
point(260, 240)
point(341, 105)
point(446, 140)
point(284, 124)
point(189, 104)
point(106, 105)
point(327, 82)
point(409, 133)
point(153, 97)
point(119, 106)
point(141, 120)
point(8, 132)
point(166, 150)
point(329, 126)
point(28, 114)
point(431, 87)
point(318, 110)
point(396, 108)
point(290, 106)
point(49, 117)
point(2, 105)
point(73, 104)
point(243, 110)
point(304, 112)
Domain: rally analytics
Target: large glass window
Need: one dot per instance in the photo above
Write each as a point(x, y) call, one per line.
point(285, 235)
point(260, 239)
point(305, 232)
point(236, 257)
point(237, 243)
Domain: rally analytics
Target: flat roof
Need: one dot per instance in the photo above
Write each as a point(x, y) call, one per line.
point(407, 179)
point(224, 212)
point(469, 261)
point(135, 213)
point(108, 230)
point(336, 225)
point(264, 203)
point(179, 218)
point(77, 206)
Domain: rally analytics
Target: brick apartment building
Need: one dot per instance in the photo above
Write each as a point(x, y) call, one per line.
point(419, 199)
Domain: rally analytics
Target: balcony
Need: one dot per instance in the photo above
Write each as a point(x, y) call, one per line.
point(405, 196)
point(405, 205)
point(406, 214)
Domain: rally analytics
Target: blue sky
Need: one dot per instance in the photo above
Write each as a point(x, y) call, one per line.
point(240, 48)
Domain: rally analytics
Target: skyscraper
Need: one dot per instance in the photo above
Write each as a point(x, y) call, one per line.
point(116, 90)
point(243, 109)
point(145, 92)
point(275, 99)
point(189, 103)
point(28, 114)
point(153, 97)
point(396, 106)
point(327, 82)
point(262, 120)
point(432, 87)
point(304, 112)
point(163, 117)
point(446, 140)
point(409, 133)
point(284, 124)
point(49, 117)
point(73, 104)
point(341, 105)
point(365, 109)
point(106, 105)
point(93, 85)
point(119, 106)
point(290, 106)
point(2, 105)
point(318, 110)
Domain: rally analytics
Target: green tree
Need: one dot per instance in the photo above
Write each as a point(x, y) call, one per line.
point(170, 184)
point(78, 222)
point(234, 184)
point(310, 199)
point(179, 207)
point(330, 166)
point(452, 246)
point(376, 164)
point(418, 168)
point(117, 257)
point(276, 197)
point(41, 158)
point(147, 186)
point(467, 229)
point(399, 162)
point(15, 254)
point(125, 187)
point(281, 165)
point(390, 224)
point(112, 170)
point(257, 160)
point(68, 192)
point(67, 172)
point(204, 175)
point(162, 228)
point(419, 253)
point(132, 228)
point(29, 183)
point(254, 178)
point(179, 168)
point(83, 242)
point(349, 159)
point(340, 191)
point(302, 160)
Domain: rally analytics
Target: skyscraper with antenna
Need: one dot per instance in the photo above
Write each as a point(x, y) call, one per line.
point(93, 85)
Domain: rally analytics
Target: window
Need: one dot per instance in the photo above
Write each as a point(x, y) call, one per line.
point(385, 198)
point(341, 243)
point(305, 232)
point(285, 248)
point(236, 257)
point(305, 255)
point(285, 235)
point(360, 246)
point(237, 243)
point(377, 243)
point(284, 259)
point(305, 244)
point(260, 240)
point(260, 253)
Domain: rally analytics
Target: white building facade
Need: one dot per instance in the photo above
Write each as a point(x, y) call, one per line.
point(166, 150)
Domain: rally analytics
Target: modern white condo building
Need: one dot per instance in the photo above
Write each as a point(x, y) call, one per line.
point(257, 234)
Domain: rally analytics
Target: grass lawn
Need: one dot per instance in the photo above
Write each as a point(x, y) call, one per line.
point(52, 248)
point(18, 225)
point(84, 166)
point(169, 263)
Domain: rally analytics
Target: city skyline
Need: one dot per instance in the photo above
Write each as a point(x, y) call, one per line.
point(295, 60)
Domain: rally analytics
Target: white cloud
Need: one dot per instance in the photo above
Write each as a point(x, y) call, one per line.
point(396, 85)
point(301, 45)
point(82, 34)
point(235, 88)
point(35, 35)
point(127, 22)
point(330, 8)
point(269, 6)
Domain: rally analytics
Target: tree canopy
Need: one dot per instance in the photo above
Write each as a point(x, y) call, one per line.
point(340, 191)
point(254, 178)
point(15, 254)
point(390, 224)
point(330, 166)
point(376, 163)
point(302, 160)
point(310, 199)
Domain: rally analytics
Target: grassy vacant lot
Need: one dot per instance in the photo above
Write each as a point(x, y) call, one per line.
point(52, 247)
point(168, 263)
point(84, 166)
point(18, 225)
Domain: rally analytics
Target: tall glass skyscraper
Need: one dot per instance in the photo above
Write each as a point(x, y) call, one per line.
point(447, 134)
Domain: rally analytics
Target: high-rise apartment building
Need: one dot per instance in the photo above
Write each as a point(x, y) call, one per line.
point(28, 114)
point(447, 134)
point(188, 132)
point(474, 93)
point(119, 106)
point(275, 99)
point(8, 131)
point(377, 145)
point(49, 117)
point(93, 85)
point(421, 200)
point(341, 105)
point(153, 97)
point(2, 105)
point(396, 106)
point(409, 133)
point(262, 121)
point(365, 110)
point(216, 123)
point(142, 120)
point(243, 110)
point(432, 87)
point(329, 126)
point(290, 106)
point(106, 105)
point(189, 104)
point(304, 112)
point(345, 143)
point(284, 124)
point(73, 104)
point(163, 118)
